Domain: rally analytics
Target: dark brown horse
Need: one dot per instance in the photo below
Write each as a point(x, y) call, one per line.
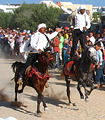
point(81, 71)
point(35, 76)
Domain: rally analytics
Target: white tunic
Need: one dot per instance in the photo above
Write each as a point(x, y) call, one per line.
point(81, 20)
point(39, 40)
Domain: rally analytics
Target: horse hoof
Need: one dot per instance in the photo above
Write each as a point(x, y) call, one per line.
point(86, 99)
point(75, 108)
point(82, 97)
point(88, 93)
point(39, 114)
point(46, 109)
point(68, 104)
point(73, 104)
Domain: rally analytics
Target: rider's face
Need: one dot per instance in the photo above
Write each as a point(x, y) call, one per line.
point(82, 11)
point(42, 30)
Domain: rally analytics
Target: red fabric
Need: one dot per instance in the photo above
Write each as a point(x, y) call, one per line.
point(92, 66)
point(38, 74)
point(67, 68)
point(56, 44)
point(66, 28)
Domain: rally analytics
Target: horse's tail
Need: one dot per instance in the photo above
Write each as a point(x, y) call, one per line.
point(15, 65)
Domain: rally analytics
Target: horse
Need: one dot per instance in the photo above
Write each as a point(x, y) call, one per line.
point(35, 76)
point(81, 70)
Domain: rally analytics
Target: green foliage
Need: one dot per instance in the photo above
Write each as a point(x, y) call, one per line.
point(5, 19)
point(28, 16)
point(96, 16)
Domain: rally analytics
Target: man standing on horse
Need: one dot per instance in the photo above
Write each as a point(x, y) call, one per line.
point(39, 41)
point(82, 24)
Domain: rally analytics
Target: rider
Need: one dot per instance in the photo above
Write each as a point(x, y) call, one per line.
point(82, 24)
point(39, 41)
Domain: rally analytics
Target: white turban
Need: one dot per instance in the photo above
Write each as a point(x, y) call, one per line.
point(42, 25)
point(82, 7)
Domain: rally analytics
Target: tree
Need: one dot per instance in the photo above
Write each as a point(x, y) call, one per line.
point(96, 17)
point(5, 19)
point(28, 16)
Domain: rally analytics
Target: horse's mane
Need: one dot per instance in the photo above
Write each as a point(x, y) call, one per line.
point(84, 62)
point(16, 64)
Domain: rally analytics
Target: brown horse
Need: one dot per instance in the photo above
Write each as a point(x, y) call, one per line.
point(36, 77)
point(81, 71)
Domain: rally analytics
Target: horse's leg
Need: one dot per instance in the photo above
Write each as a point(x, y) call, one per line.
point(86, 91)
point(16, 90)
point(68, 88)
point(91, 89)
point(44, 104)
point(38, 104)
point(79, 89)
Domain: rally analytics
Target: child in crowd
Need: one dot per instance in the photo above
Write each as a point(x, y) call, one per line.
point(99, 68)
point(66, 50)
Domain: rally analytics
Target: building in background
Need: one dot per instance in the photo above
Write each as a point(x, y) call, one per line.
point(67, 19)
point(69, 5)
point(8, 8)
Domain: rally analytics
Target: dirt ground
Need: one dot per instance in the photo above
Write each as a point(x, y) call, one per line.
point(55, 97)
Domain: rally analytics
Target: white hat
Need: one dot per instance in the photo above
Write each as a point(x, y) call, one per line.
point(42, 25)
point(82, 7)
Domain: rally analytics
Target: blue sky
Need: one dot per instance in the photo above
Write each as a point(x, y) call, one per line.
point(93, 2)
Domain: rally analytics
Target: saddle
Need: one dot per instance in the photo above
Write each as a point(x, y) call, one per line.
point(33, 70)
point(69, 67)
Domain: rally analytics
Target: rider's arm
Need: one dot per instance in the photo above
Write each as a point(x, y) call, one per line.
point(88, 24)
point(54, 34)
point(63, 8)
point(66, 10)
point(34, 41)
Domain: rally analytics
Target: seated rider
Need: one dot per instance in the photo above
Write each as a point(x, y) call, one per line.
point(39, 41)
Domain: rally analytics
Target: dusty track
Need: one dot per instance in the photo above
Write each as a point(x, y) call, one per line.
point(56, 99)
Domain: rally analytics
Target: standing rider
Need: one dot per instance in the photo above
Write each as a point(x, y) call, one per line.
point(82, 24)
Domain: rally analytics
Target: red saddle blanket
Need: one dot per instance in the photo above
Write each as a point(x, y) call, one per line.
point(71, 69)
point(68, 68)
point(35, 72)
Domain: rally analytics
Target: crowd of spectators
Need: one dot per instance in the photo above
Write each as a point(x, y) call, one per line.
point(12, 41)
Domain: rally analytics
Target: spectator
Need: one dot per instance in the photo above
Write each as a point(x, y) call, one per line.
point(66, 50)
point(99, 68)
point(61, 38)
point(57, 51)
point(92, 38)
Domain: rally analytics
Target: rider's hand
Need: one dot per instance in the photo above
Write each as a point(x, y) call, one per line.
point(84, 28)
point(59, 29)
point(40, 51)
point(59, 4)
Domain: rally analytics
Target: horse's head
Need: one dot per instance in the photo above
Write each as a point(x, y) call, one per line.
point(90, 53)
point(46, 57)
